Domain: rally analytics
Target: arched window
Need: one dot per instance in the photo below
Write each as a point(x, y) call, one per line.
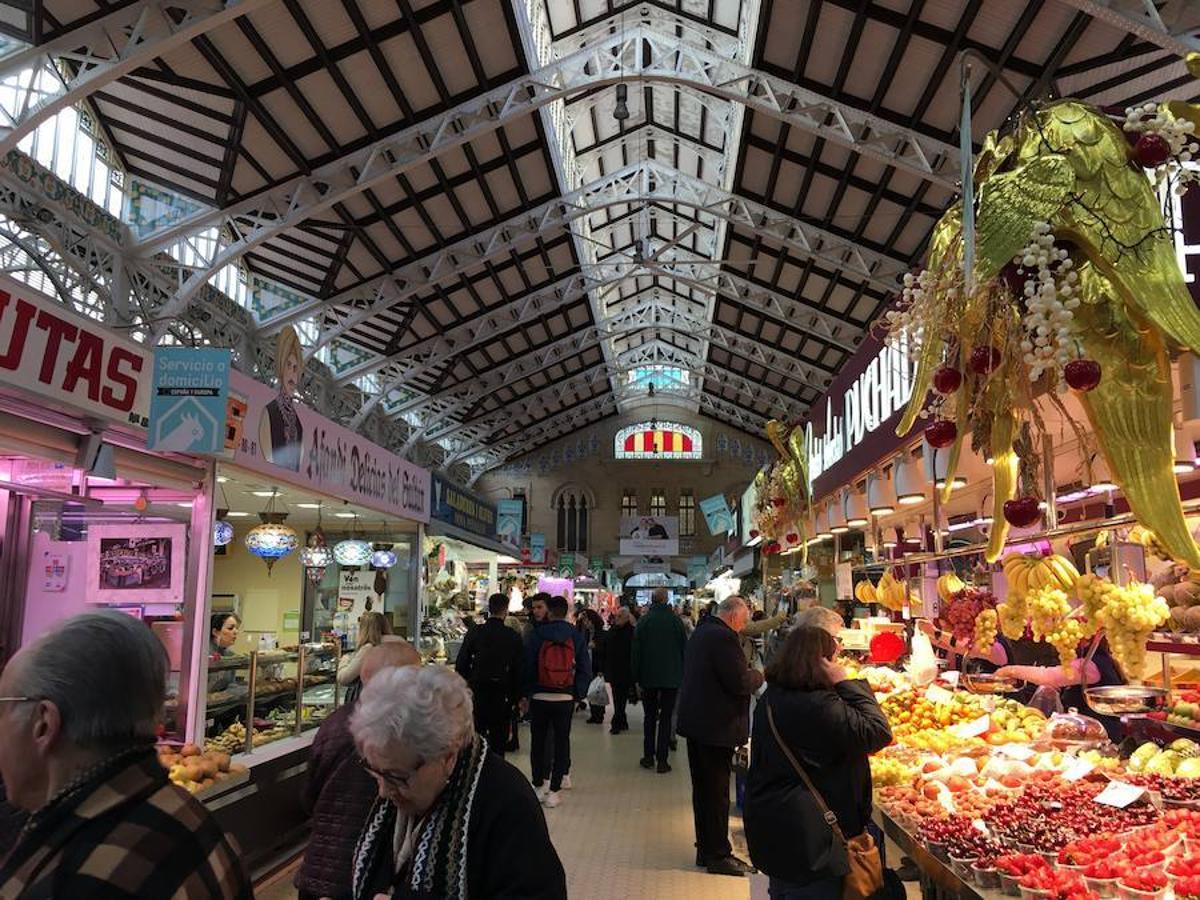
point(658, 440)
point(572, 505)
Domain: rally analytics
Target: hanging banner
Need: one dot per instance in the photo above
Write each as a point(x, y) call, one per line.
point(462, 509)
point(697, 570)
point(188, 405)
point(60, 357)
point(537, 548)
point(509, 524)
point(566, 565)
point(654, 535)
point(717, 515)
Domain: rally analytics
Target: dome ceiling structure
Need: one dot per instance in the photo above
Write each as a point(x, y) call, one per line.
point(499, 221)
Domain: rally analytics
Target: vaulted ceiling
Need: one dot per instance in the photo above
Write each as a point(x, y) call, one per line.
point(497, 215)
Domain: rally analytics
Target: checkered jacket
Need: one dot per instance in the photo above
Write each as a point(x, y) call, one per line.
point(125, 832)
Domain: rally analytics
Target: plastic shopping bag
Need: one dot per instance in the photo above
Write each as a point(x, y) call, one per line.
point(597, 694)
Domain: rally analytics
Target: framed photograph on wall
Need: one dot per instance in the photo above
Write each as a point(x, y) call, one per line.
point(136, 563)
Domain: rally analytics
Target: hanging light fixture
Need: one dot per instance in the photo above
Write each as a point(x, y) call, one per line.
point(1185, 453)
point(353, 551)
point(383, 556)
point(856, 509)
point(837, 514)
point(222, 530)
point(910, 482)
point(823, 530)
point(316, 556)
point(621, 110)
point(271, 539)
point(881, 494)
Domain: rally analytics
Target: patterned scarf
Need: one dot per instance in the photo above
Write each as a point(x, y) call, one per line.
point(439, 863)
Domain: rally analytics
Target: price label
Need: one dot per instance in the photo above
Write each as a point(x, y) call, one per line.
point(1078, 769)
point(981, 826)
point(951, 677)
point(972, 729)
point(936, 695)
point(1118, 794)
point(1019, 752)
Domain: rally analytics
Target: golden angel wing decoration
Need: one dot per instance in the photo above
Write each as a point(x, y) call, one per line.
point(1010, 204)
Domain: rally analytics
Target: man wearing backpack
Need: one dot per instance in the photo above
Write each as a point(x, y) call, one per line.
point(490, 661)
point(557, 673)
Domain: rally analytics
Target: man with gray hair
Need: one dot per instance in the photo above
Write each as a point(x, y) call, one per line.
point(78, 714)
point(820, 617)
point(714, 716)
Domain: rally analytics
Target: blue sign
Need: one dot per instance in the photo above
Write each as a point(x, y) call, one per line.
point(187, 405)
point(509, 524)
point(461, 508)
point(717, 514)
point(537, 547)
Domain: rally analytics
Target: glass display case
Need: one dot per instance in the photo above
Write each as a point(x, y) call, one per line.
point(265, 695)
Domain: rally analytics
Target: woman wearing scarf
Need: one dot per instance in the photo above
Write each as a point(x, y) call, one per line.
point(451, 819)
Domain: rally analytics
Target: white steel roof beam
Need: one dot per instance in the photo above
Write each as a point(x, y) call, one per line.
point(1154, 21)
point(102, 51)
point(637, 55)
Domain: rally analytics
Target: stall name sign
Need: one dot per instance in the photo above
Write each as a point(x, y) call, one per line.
point(61, 356)
point(881, 390)
point(321, 455)
point(462, 509)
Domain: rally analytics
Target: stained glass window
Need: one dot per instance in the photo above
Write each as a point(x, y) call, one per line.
point(658, 440)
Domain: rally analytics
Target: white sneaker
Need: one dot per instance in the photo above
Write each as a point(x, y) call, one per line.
point(552, 799)
point(566, 782)
point(541, 792)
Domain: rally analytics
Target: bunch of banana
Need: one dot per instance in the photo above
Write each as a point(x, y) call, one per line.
point(864, 592)
point(890, 593)
point(1139, 534)
point(948, 585)
point(1027, 573)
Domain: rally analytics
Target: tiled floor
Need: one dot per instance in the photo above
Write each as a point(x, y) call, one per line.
point(621, 830)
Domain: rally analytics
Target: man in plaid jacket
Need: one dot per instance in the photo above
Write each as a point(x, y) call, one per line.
point(78, 711)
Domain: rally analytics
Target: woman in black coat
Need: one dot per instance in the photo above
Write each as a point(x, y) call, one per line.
point(830, 724)
point(618, 665)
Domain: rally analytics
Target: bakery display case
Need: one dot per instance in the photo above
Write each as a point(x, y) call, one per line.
point(265, 695)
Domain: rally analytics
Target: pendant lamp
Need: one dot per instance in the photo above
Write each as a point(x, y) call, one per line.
point(856, 509)
point(316, 557)
point(272, 539)
point(353, 551)
point(881, 494)
point(222, 530)
point(910, 481)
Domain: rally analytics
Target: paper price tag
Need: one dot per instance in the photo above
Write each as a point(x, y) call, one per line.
point(981, 826)
point(936, 695)
point(1019, 752)
point(1078, 769)
point(1118, 794)
point(951, 677)
point(972, 729)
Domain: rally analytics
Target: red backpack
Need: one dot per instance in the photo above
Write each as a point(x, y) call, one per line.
point(556, 665)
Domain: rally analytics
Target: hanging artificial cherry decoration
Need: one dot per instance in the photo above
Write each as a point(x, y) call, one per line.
point(792, 537)
point(1151, 151)
point(947, 380)
point(753, 533)
point(941, 433)
point(1082, 374)
point(779, 502)
point(1021, 512)
point(985, 360)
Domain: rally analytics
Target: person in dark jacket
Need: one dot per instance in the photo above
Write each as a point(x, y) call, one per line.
point(551, 705)
point(830, 724)
point(339, 793)
point(714, 716)
point(658, 645)
point(592, 627)
point(618, 665)
point(451, 819)
point(490, 660)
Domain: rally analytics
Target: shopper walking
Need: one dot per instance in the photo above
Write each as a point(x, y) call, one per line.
point(451, 819)
point(714, 716)
point(340, 792)
point(813, 731)
point(77, 723)
point(592, 627)
point(557, 672)
point(618, 665)
point(490, 661)
point(658, 646)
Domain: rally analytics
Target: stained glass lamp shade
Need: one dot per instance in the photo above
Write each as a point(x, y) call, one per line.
point(352, 552)
point(222, 533)
point(272, 539)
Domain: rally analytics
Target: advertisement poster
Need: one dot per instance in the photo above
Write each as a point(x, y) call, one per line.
point(649, 535)
point(537, 547)
point(509, 526)
point(697, 570)
point(717, 515)
point(355, 590)
point(54, 572)
point(188, 403)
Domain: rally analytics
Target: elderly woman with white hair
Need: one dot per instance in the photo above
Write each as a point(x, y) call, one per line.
point(451, 819)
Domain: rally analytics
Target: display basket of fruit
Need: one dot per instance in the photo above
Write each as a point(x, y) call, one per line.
point(1073, 731)
point(1012, 867)
point(985, 873)
point(989, 684)
point(1142, 884)
point(1125, 699)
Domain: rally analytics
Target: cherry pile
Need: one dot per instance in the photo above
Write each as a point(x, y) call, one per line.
point(1049, 817)
point(1173, 789)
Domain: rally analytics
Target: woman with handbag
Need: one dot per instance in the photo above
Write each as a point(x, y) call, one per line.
point(808, 793)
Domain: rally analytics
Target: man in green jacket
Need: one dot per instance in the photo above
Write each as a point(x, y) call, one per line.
point(658, 643)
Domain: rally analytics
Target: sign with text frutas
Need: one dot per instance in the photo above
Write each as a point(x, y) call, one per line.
point(324, 456)
point(188, 406)
point(462, 509)
point(63, 358)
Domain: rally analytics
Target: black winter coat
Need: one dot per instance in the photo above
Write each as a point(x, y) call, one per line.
point(714, 699)
point(339, 796)
point(618, 654)
point(830, 732)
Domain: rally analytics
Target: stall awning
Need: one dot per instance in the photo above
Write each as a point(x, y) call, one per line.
point(445, 529)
